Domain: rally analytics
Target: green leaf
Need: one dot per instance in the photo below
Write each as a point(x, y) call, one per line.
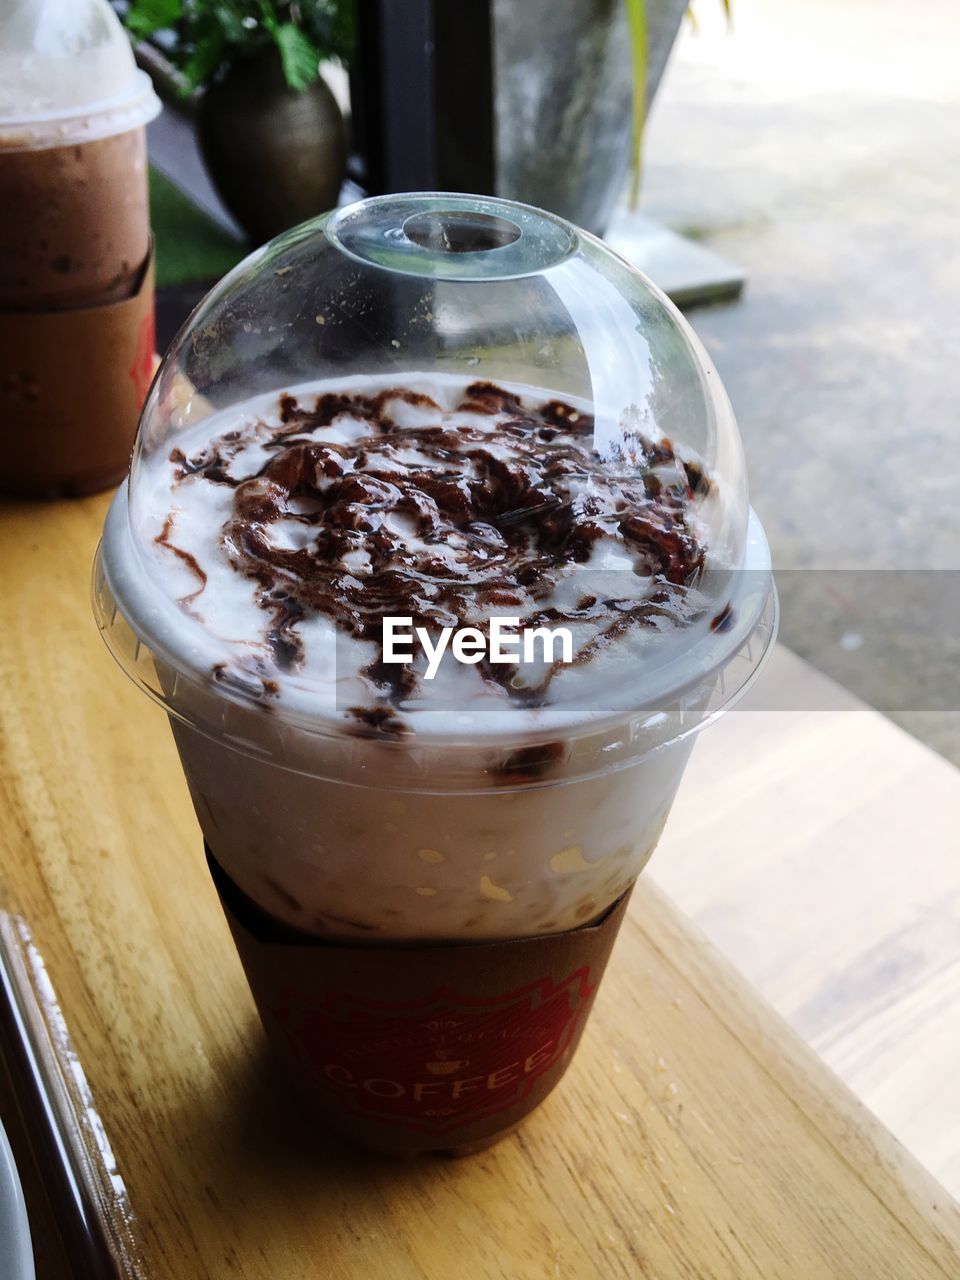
point(144, 17)
point(268, 17)
point(330, 25)
point(343, 35)
point(208, 36)
point(230, 23)
point(205, 57)
point(299, 55)
point(637, 15)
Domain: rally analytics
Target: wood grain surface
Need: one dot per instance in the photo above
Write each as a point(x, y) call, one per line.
point(694, 1136)
point(830, 875)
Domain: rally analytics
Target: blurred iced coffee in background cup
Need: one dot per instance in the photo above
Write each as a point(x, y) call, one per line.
point(76, 284)
point(448, 412)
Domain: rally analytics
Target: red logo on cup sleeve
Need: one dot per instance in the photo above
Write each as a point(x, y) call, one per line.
point(434, 1063)
point(141, 370)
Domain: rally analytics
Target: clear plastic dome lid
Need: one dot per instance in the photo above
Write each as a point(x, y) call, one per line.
point(67, 74)
point(467, 418)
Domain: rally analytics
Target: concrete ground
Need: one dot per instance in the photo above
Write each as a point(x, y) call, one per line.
point(818, 144)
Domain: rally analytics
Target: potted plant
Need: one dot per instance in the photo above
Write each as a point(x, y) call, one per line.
point(270, 130)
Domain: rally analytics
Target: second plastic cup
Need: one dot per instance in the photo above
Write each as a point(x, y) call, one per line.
point(76, 283)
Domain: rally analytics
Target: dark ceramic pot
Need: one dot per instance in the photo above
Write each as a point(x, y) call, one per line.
point(275, 155)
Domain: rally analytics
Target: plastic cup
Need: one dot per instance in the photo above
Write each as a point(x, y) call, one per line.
point(74, 220)
point(76, 288)
point(74, 223)
point(424, 917)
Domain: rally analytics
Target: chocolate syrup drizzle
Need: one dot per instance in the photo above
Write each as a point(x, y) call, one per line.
point(497, 515)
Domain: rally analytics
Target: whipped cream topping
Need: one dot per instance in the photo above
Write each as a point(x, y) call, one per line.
point(285, 529)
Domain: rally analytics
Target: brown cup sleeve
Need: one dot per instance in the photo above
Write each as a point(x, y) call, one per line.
point(72, 384)
point(406, 1048)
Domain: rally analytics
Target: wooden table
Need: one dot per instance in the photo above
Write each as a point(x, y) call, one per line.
point(694, 1136)
point(830, 876)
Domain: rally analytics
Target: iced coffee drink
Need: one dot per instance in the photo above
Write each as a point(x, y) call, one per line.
point(434, 638)
point(76, 282)
point(74, 223)
point(281, 536)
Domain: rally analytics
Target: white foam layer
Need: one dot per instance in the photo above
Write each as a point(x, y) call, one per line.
point(218, 624)
point(441, 835)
